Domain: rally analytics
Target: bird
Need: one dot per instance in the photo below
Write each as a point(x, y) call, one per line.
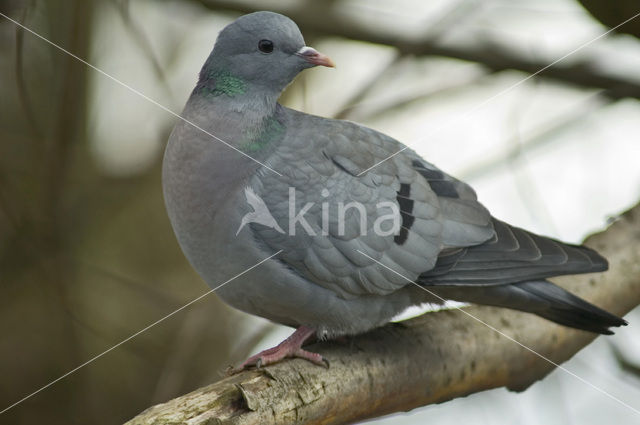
point(363, 227)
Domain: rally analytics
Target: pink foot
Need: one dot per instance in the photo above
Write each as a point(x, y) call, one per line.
point(290, 347)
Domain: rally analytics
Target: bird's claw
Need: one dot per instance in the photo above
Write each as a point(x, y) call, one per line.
point(290, 347)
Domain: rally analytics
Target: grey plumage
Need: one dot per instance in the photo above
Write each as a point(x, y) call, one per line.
point(447, 241)
point(260, 213)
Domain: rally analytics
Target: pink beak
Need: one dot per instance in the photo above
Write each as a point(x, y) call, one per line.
point(314, 57)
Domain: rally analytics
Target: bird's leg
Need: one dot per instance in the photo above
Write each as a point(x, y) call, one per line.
point(290, 347)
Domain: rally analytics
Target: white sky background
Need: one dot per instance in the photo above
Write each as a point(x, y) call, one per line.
point(566, 187)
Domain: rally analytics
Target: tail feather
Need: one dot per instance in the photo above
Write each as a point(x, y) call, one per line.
point(542, 298)
point(564, 308)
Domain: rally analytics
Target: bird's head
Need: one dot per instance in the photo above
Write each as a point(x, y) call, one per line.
point(261, 49)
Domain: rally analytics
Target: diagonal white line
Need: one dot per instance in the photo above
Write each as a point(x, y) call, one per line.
point(139, 93)
point(543, 357)
point(129, 338)
point(380, 162)
point(507, 90)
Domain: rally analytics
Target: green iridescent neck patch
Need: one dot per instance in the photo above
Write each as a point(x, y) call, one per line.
point(224, 83)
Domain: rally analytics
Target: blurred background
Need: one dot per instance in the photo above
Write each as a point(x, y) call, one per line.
point(87, 255)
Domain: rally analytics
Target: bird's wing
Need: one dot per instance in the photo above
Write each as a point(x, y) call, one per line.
point(326, 167)
point(511, 255)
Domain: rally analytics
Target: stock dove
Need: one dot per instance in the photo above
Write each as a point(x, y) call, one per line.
point(354, 226)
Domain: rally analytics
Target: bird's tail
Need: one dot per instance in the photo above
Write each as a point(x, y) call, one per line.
point(544, 299)
point(554, 303)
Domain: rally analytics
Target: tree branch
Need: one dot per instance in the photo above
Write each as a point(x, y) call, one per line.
point(430, 359)
point(323, 18)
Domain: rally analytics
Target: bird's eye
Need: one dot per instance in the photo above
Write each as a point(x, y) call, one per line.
point(265, 46)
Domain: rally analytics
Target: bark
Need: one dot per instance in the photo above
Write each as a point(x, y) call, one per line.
point(322, 18)
point(430, 359)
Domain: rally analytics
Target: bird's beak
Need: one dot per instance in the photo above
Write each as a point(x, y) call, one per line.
point(314, 57)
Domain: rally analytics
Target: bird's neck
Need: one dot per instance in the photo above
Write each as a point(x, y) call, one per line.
point(249, 113)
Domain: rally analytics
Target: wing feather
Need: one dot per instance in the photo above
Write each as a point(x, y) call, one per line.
point(434, 210)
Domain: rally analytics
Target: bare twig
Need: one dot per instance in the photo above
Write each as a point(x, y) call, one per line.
point(456, 12)
point(357, 99)
point(378, 109)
